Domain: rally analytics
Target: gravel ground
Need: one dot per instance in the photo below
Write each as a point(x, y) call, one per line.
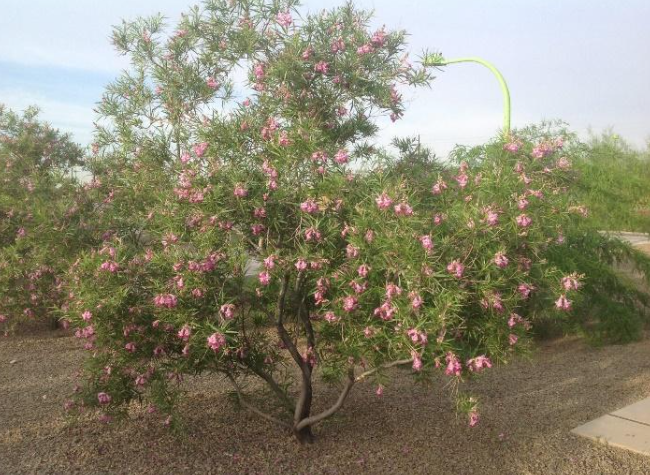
point(528, 409)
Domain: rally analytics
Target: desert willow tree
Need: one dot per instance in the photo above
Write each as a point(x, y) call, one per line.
point(199, 176)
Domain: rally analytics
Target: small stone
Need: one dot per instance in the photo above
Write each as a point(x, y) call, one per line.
point(13, 362)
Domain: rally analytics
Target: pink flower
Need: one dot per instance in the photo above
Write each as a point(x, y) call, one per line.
point(301, 265)
point(109, 266)
point(368, 332)
point(438, 218)
point(212, 83)
point(359, 288)
point(417, 337)
point(284, 19)
point(321, 67)
point(571, 282)
point(240, 191)
point(378, 38)
point(185, 333)
point(284, 140)
point(258, 70)
point(516, 318)
point(130, 347)
point(350, 303)
point(312, 234)
point(86, 316)
point(370, 236)
point(479, 363)
point(227, 311)
point(473, 418)
point(522, 203)
point(307, 53)
point(380, 390)
point(341, 157)
point(216, 341)
point(363, 270)
point(165, 300)
point(501, 260)
point(403, 209)
point(491, 217)
point(351, 251)
point(103, 398)
point(512, 146)
point(264, 277)
point(416, 300)
point(512, 339)
point(383, 201)
point(309, 206)
point(563, 303)
point(364, 49)
point(392, 290)
point(427, 243)
point(331, 317)
point(454, 366)
point(525, 290)
point(439, 187)
point(269, 262)
point(385, 311)
point(523, 220)
point(200, 149)
point(462, 180)
point(456, 268)
point(417, 361)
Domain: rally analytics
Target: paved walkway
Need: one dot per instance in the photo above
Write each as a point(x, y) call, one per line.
point(633, 238)
point(627, 428)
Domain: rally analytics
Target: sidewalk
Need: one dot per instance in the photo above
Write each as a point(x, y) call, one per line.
point(627, 428)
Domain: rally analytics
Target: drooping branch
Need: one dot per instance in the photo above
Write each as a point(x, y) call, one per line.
point(275, 387)
point(372, 371)
point(252, 408)
point(309, 421)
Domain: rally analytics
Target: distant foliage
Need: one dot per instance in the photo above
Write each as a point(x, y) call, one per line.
point(40, 224)
point(615, 184)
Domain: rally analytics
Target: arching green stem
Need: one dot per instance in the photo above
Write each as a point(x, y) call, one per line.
point(438, 60)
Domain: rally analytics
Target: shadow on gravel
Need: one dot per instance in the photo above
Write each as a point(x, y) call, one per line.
point(528, 409)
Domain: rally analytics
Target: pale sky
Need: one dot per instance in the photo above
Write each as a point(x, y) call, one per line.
point(582, 61)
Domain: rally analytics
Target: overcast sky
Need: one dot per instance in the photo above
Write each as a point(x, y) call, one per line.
point(583, 61)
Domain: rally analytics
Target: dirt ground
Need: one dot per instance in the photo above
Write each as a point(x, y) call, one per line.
point(528, 409)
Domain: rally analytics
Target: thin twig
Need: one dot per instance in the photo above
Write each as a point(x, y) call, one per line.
point(364, 375)
point(252, 408)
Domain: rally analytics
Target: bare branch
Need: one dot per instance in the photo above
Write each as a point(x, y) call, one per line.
point(364, 375)
point(282, 395)
point(337, 405)
point(252, 408)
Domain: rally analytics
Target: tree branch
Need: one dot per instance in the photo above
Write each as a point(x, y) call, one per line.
point(337, 405)
point(282, 331)
point(282, 395)
point(252, 408)
point(364, 375)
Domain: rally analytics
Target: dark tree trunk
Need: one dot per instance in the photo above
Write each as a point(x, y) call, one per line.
point(305, 435)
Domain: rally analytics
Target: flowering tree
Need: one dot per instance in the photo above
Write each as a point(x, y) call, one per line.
point(39, 229)
point(255, 230)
